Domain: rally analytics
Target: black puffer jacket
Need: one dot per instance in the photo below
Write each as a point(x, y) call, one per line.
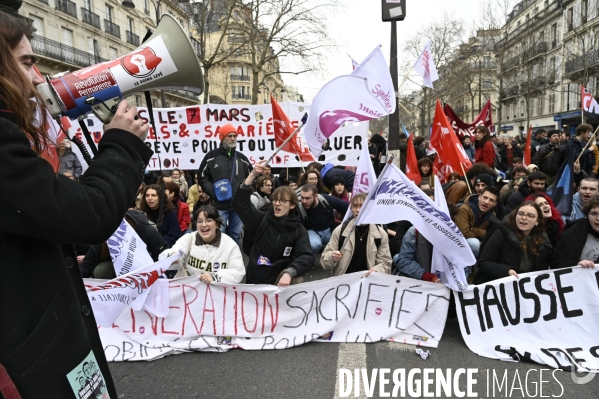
point(503, 252)
point(550, 158)
point(217, 165)
point(279, 235)
point(570, 245)
point(517, 197)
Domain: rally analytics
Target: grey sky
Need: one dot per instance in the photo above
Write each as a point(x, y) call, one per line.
point(358, 29)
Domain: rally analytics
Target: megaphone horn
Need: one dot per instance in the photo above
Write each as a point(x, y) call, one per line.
point(155, 65)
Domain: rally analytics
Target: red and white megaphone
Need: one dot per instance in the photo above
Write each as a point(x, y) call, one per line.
point(154, 65)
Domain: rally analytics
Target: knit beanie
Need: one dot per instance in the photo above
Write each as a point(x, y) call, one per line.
point(226, 129)
point(485, 178)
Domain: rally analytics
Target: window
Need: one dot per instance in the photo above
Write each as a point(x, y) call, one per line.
point(570, 18)
point(554, 35)
point(138, 101)
point(131, 25)
point(540, 105)
point(552, 103)
point(522, 108)
point(584, 5)
point(486, 85)
point(574, 95)
point(112, 53)
point(109, 13)
point(38, 24)
point(147, 7)
point(155, 103)
point(531, 107)
point(233, 92)
point(87, 4)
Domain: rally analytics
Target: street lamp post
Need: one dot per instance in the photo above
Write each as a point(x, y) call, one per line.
point(130, 5)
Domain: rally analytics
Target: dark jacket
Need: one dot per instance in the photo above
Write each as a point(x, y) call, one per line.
point(503, 252)
point(155, 243)
point(503, 152)
point(273, 243)
point(570, 245)
point(469, 221)
point(169, 227)
point(217, 165)
point(70, 161)
point(403, 153)
point(47, 326)
point(517, 197)
point(347, 175)
point(549, 158)
point(587, 160)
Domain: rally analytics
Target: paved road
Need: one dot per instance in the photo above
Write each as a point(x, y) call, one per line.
point(311, 371)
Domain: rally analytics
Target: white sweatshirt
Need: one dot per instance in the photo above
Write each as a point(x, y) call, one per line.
point(224, 262)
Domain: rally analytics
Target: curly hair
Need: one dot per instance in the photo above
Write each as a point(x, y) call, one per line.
point(168, 205)
point(555, 214)
point(537, 233)
point(320, 185)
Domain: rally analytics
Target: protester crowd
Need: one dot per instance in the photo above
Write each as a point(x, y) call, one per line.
point(282, 223)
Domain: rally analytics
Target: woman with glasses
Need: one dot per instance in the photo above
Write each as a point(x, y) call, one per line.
point(261, 196)
point(367, 247)
point(519, 245)
point(579, 243)
point(275, 240)
point(208, 253)
point(313, 177)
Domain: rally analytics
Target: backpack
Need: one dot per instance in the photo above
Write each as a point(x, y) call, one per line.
point(377, 241)
point(302, 210)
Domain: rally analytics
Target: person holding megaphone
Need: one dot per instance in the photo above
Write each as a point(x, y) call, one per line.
point(48, 331)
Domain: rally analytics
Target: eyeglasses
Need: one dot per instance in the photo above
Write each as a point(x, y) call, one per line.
point(593, 214)
point(526, 215)
point(206, 222)
point(280, 201)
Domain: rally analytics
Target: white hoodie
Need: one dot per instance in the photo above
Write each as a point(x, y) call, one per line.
point(224, 262)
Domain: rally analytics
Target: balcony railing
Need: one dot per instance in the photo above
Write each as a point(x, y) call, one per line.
point(196, 46)
point(90, 18)
point(67, 6)
point(241, 96)
point(61, 52)
point(44, 1)
point(184, 93)
point(132, 38)
point(112, 28)
point(589, 60)
point(243, 78)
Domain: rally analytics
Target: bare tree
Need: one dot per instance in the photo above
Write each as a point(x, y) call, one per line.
point(272, 30)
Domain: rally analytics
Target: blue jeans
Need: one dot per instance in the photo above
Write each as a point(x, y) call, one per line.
point(474, 244)
point(231, 224)
point(319, 239)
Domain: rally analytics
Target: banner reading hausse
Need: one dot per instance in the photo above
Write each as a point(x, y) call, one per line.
point(186, 134)
point(218, 317)
point(549, 317)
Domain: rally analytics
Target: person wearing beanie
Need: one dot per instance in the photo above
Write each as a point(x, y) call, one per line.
point(550, 157)
point(482, 181)
point(339, 189)
point(225, 168)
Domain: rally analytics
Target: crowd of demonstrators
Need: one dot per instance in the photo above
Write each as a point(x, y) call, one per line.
point(172, 191)
point(474, 217)
point(168, 224)
point(329, 174)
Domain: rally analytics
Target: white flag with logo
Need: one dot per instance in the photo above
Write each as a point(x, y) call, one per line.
point(396, 197)
point(127, 251)
point(451, 273)
point(111, 297)
point(425, 66)
point(365, 177)
point(358, 97)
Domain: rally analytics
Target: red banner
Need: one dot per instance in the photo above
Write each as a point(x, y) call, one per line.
point(283, 129)
point(412, 163)
point(461, 128)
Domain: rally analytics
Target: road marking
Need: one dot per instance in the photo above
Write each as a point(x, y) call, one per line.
point(399, 346)
point(351, 356)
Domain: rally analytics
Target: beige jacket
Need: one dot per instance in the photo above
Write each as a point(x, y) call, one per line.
point(378, 259)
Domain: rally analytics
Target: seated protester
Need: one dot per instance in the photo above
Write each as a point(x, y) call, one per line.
point(535, 183)
point(554, 223)
point(97, 262)
point(313, 177)
point(425, 167)
point(415, 257)
point(453, 176)
point(367, 246)
point(178, 177)
point(168, 226)
point(579, 243)
point(280, 247)
point(329, 171)
point(171, 189)
point(515, 174)
point(459, 191)
point(339, 190)
point(318, 215)
point(194, 193)
point(519, 245)
point(396, 232)
point(208, 253)
point(473, 218)
point(588, 188)
point(293, 183)
point(261, 196)
point(203, 200)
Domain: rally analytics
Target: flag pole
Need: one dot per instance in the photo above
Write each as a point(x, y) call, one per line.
point(466, 178)
point(288, 139)
point(588, 142)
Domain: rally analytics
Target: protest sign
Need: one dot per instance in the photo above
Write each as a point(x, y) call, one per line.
point(186, 134)
point(219, 317)
point(549, 317)
point(127, 251)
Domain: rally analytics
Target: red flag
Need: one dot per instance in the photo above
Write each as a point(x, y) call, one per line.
point(451, 156)
point(284, 129)
point(412, 163)
point(527, 154)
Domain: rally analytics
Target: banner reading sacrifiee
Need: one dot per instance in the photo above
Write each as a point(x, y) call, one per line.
point(186, 134)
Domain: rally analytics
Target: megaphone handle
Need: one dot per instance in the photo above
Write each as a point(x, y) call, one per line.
point(88, 138)
point(86, 157)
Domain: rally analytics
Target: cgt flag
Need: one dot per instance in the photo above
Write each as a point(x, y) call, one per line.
point(365, 177)
point(590, 108)
point(452, 274)
point(284, 129)
point(412, 170)
point(396, 196)
point(563, 193)
point(364, 95)
point(451, 156)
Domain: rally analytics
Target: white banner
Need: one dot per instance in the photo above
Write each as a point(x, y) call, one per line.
point(218, 317)
point(187, 134)
point(396, 197)
point(425, 66)
point(364, 179)
point(549, 317)
point(127, 251)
